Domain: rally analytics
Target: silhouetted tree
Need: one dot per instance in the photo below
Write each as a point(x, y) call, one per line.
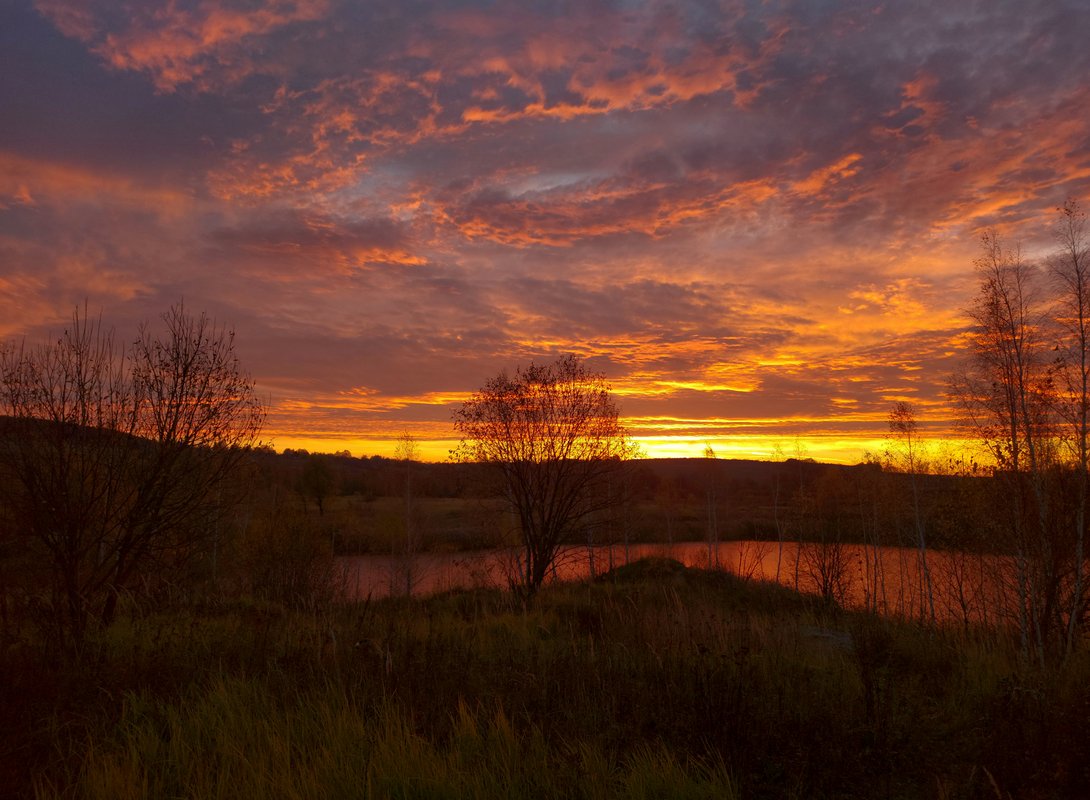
point(1007, 394)
point(117, 463)
point(907, 454)
point(553, 435)
point(316, 481)
point(825, 514)
point(713, 506)
point(406, 452)
point(1069, 268)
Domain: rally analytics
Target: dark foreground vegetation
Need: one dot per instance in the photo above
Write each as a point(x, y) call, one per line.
point(656, 681)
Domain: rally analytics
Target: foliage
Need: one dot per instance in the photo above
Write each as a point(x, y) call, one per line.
point(316, 481)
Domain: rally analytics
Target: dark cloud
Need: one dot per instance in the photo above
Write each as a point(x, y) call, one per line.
point(306, 246)
point(61, 103)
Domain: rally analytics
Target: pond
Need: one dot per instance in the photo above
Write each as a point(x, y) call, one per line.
point(892, 580)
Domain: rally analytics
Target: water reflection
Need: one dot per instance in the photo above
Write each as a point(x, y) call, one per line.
point(965, 587)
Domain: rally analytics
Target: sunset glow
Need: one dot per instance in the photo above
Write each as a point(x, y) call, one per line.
point(758, 220)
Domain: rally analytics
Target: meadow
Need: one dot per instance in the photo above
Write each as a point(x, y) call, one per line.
point(656, 680)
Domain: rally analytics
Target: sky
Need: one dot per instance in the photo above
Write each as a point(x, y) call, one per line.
point(757, 219)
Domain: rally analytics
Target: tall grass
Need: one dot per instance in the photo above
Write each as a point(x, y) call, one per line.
point(662, 682)
point(241, 739)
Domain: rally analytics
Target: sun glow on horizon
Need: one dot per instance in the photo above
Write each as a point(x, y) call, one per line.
point(824, 448)
point(849, 431)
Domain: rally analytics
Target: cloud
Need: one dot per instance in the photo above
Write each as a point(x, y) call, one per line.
point(204, 43)
point(293, 247)
point(747, 215)
point(36, 183)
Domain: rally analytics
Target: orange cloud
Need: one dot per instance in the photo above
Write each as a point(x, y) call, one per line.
point(177, 45)
point(561, 218)
point(817, 181)
point(36, 182)
point(366, 399)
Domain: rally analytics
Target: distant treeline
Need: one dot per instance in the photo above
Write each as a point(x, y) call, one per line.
point(683, 499)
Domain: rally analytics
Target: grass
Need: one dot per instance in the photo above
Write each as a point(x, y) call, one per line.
point(659, 681)
point(242, 739)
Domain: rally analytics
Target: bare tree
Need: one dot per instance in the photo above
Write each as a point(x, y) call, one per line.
point(872, 492)
point(406, 451)
point(824, 517)
point(117, 464)
point(712, 463)
point(904, 430)
point(1069, 269)
point(553, 435)
point(1005, 395)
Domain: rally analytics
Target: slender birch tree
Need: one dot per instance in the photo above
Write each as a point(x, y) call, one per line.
point(1005, 396)
point(405, 451)
point(906, 438)
point(1069, 268)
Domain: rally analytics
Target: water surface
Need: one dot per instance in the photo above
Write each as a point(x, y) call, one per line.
point(892, 580)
